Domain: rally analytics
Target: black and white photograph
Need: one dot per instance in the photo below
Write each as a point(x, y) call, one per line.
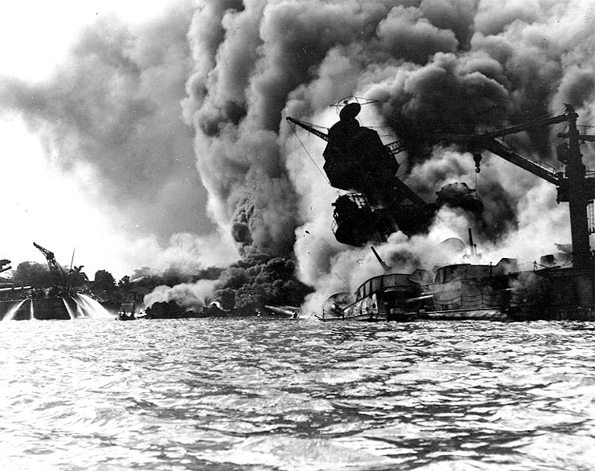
point(297, 235)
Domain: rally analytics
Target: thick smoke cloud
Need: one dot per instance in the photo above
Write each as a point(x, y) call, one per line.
point(187, 295)
point(433, 65)
point(112, 112)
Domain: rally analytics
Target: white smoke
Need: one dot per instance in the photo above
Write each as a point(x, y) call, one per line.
point(513, 63)
point(188, 295)
point(110, 118)
point(239, 67)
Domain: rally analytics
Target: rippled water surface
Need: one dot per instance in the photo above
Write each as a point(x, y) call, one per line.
point(296, 395)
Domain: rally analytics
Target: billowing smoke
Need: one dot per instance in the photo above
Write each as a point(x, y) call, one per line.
point(435, 66)
point(111, 117)
point(113, 104)
point(192, 296)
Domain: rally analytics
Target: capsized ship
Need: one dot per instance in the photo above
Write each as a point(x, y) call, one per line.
point(377, 203)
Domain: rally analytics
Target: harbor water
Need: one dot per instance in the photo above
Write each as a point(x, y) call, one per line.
point(252, 394)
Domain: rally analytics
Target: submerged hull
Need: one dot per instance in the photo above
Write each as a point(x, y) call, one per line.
point(473, 314)
point(52, 308)
point(551, 294)
point(37, 309)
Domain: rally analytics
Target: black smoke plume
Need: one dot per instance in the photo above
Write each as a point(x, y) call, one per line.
point(433, 66)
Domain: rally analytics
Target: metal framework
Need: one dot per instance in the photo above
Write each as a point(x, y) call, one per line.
point(574, 186)
point(60, 276)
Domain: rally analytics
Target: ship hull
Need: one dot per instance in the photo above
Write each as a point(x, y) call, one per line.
point(558, 294)
point(36, 309)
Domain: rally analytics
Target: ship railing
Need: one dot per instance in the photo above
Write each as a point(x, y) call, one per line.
point(358, 311)
point(358, 200)
point(354, 310)
point(544, 165)
point(479, 300)
point(500, 299)
point(591, 217)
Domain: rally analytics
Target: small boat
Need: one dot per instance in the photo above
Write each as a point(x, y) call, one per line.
point(285, 312)
point(130, 311)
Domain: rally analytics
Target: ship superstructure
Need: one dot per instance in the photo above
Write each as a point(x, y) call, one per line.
point(377, 203)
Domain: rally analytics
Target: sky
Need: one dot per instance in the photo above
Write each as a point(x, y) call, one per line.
point(57, 205)
point(36, 35)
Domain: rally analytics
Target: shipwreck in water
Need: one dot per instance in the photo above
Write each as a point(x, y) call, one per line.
point(63, 301)
point(377, 203)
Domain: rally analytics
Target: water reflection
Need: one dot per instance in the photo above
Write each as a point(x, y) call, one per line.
point(287, 395)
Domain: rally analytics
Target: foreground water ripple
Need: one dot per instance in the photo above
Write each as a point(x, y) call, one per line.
point(296, 395)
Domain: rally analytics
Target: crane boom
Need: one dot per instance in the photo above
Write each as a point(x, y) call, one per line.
point(473, 138)
point(3, 264)
point(499, 149)
point(55, 269)
point(526, 126)
point(308, 128)
point(488, 142)
point(574, 186)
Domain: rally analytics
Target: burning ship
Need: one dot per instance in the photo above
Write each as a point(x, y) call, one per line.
point(377, 203)
point(60, 302)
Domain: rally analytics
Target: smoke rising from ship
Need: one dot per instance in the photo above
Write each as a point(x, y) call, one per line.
point(433, 66)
